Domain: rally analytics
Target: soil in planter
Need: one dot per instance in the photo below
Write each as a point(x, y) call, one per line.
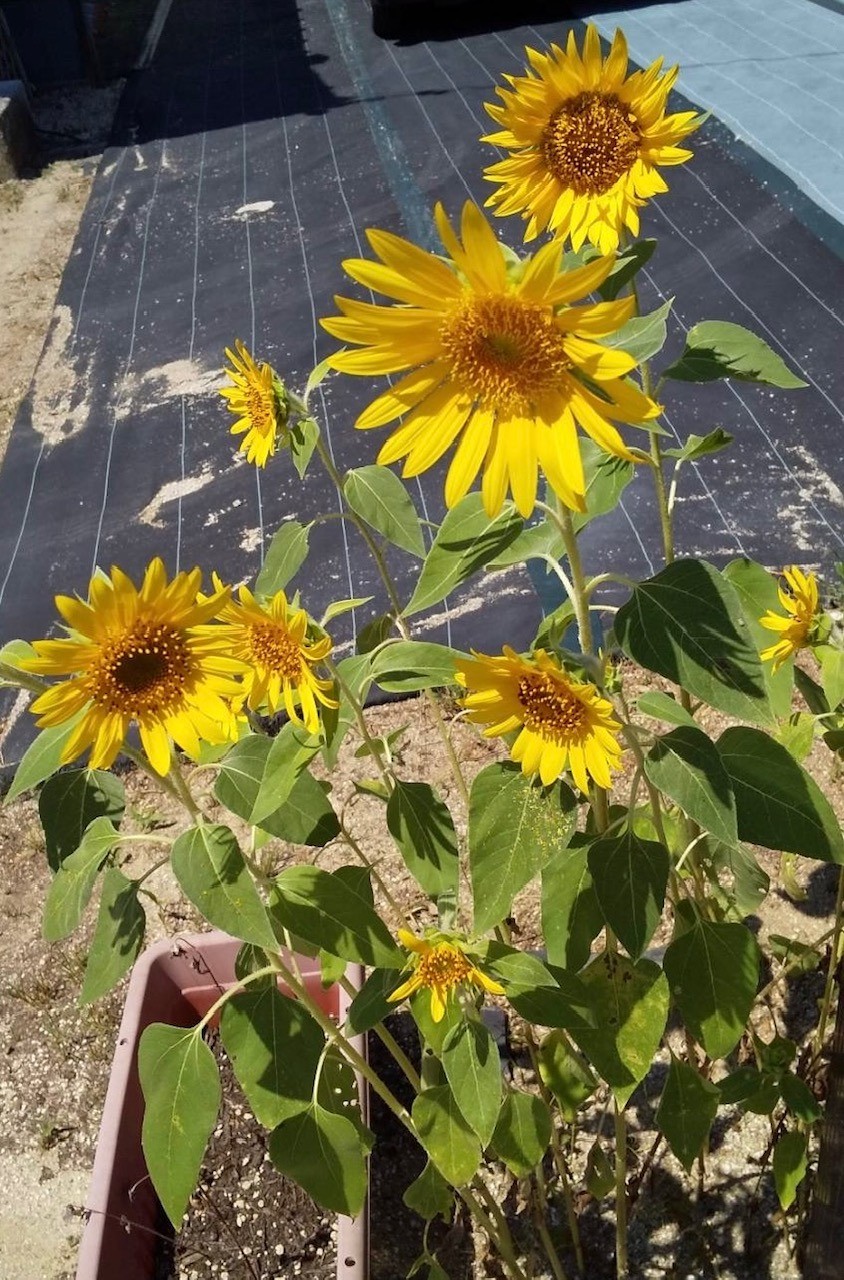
point(247, 1222)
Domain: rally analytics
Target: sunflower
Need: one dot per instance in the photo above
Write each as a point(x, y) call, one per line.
point(586, 142)
point(256, 401)
point(501, 363)
point(270, 642)
point(800, 600)
point(138, 656)
point(440, 964)
point(563, 722)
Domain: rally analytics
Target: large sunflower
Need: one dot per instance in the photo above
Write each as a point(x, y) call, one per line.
point(502, 364)
point(279, 662)
point(587, 141)
point(563, 723)
point(138, 656)
point(255, 402)
point(800, 599)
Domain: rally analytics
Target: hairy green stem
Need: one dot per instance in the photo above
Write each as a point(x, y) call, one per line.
point(542, 1227)
point(621, 1262)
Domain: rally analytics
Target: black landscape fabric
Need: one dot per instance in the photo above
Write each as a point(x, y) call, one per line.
point(249, 159)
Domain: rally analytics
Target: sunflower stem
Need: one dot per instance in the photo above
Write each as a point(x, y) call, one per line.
point(390, 1043)
point(373, 871)
point(23, 679)
point(580, 599)
point(360, 720)
point(662, 499)
point(184, 793)
point(835, 944)
point(621, 1262)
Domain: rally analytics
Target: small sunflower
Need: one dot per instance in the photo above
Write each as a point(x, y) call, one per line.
point(270, 641)
point(564, 723)
point(586, 142)
point(440, 964)
point(502, 365)
point(800, 600)
point(138, 656)
point(255, 400)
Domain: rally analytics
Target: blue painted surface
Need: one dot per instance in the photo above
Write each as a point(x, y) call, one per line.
point(772, 70)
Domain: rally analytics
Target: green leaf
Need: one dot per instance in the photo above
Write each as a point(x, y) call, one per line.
point(378, 496)
point(797, 734)
point(630, 1003)
point(306, 817)
point(259, 773)
point(285, 556)
point(697, 447)
point(568, 1078)
point(685, 766)
point(433, 1034)
point(323, 1152)
point(643, 336)
point(118, 936)
point(600, 1175)
point(832, 672)
point(713, 971)
point(514, 828)
point(473, 1070)
point(325, 910)
point(338, 1093)
point(43, 757)
point(339, 607)
point(718, 349)
point(209, 866)
point(606, 479)
point(445, 1135)
point(523, 1132)
point(686, 1111)
point(778, 804)
point(355, 674)
point(409, 665)
point(15, 652)
point(534, 542)
point(750, 882)
point(757, 592)
point(662, 706)
point(545, 995)
point(275, 1046)
point(181, 1086)
point(630, 876)
point(422, 827)
point(630, 261)
point(429, 1195)
point(687, 624)
point(799, 1099)
point(571, 916)
point(303, 440)
point(70, 801)
point(371, 1005)
point(73, 884)
point(466, 540)
point(789, 1165)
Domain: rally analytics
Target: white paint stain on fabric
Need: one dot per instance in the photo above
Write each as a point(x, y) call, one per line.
point(60, 405)
point(171, 492)
point(257, 206)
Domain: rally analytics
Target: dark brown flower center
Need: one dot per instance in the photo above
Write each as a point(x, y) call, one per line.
point(590, 142)
point(272, 647)
point(550, 709)
point(144, 672)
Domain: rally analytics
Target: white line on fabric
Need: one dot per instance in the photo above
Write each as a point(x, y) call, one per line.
point(183, 442)
point(23, 520)
point(431, 124)
point(128, 362)
point(245, 201)
point(742, 132)
point(307, 276)
point(722, 15)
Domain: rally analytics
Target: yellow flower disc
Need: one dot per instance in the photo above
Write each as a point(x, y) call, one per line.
point(502, 365)
point(563, 723)
point(586, 142)
point(139, 656)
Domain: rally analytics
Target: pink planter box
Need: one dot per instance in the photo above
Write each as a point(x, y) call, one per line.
point(174, 981)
